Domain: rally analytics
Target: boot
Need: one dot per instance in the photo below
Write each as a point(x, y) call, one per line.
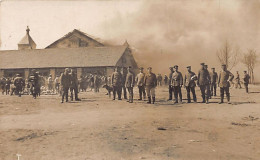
point(149, 100)
point(228, 99)
point(221, 100)
point(207, 101)
point(153, 100)
point(140, 98)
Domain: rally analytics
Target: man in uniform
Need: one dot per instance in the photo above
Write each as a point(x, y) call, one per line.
point(159, 80)
point(3, 82)
point(170, 86)
point(129, 84)
point(124, 73)
point(189, 83)
point(203, 81)
point(65, 80)
point(208, 89)
point(19, 84)
point(237, 79)
point(34, 80)
point(7, 86)
point(225, 77)
point(246, 80)
point(165, 80)
point(116, 79)
point(150, 84)
point(214, 78)
point(177, 82)
point(74, 86)
point(140, 83)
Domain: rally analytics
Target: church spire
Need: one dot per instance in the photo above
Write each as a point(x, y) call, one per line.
point(27, 41)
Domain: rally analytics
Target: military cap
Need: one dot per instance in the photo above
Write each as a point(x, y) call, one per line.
point(212, 68)
point(50, 75)
point(170, 67)
point(129, 67)
point(149, 68)
point(202, 64)
point(245, 71)
point(176, 66)
point(141, 68)
point(224, 65)
point(188, 66)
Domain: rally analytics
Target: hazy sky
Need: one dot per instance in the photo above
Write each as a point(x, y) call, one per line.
point(162, 33)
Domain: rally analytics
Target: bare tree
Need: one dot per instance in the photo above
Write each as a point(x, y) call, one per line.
point(228, 55)
point(250, 60)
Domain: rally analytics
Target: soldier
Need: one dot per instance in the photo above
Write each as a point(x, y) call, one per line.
point(140, 83)
point(225, 77)
point(34, 79)
point(214, 78)
point(165, 80)
point(189, 83)
point(57, 84)
point(129, 84)
point(97, 82)
point(177, 82)
point(3, 82)
point(7, 86)
point(203, 81)
point(170, 87)
point(237, 79)
point(50, 83)
point(150, 82)
point(159, 80)
point(246, 81)
point(65, 84)
point(74, 86)
point(19, 84)
point(208, 90)
point(117, 83)
point(124, 73)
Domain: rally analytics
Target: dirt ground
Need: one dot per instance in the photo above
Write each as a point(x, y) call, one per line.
point(98, 128)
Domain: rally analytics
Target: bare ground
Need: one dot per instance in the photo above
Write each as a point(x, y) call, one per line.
point(99, 128)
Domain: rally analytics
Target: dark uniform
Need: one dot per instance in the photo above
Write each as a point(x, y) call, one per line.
point(170, 86)
point(65, 80)
point(140, 83)
point(150, 84)
point(34, 80)
point(214, 78)
point(19, 84)
point(3, 82)
point(116, 79)
point(7, 86)
point(165, 80)
point(74, 86)
point(189, 83)
point(159, 80)
point(129, 84)
point(223, 81)
point(246, 80)
point(203, 82)
point(176, 83)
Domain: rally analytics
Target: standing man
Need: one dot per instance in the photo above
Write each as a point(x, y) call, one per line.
point(189, 83)
point(165, 80)
point(50, 83)
point(74, 86)
point(203, 81)
point(57, 84)
point(116, 79)
point(3, 83)
point(214, 78)
point(237, 79)
point(177, 82)
point(65, 81)
point(34, 80)
point(124, 73)
point(129, 84)
point(140, 83)
point(150, 84)
point(19, 84)
point(7, 86)
point(170, 86)
point(159, 80)
point(246, 80)
point(208, 91)
point(225, 77)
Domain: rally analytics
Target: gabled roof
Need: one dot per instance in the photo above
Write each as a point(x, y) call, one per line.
point(71, 33)
point(27, 39)
point(61, 57)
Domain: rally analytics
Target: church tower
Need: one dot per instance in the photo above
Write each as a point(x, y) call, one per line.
point(27, 41)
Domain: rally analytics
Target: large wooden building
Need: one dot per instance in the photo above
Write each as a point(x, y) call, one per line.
point(75, 50)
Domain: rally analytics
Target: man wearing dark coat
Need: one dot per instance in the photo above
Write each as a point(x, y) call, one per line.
point(203, 82)
point(34, 80)
point(150, 85)
point(246, 80)
point(129, 84)
point(170, 86)
point(74, 86)
point(116, 80)
point(189, 83)
point(177, 82)
point(19, 84)
point(65, 84)
point(213, 85)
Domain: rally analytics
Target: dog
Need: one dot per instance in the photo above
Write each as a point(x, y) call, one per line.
point(109, 89)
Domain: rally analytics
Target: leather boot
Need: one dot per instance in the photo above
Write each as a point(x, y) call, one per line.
point(221, 100)
point(153, 100)
point(149, 100)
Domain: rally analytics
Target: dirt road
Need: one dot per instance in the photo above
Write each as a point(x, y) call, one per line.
point(98, 128)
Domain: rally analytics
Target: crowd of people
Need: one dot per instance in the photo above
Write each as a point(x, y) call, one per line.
point(124, 80)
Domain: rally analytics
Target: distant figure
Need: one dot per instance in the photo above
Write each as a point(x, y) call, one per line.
point(35, 82)
point(203, 81)
point(246, 80)
point(2, 83)
point(19, 84)
point(124, 73)
point(225, 77)
point(170, 86)
point(57, 84)
point(65, 84)
point(150, 84)
point(7, 86)
point(116, 79)
point(159, 80)
point(97, 82)
point(165, 79)
point(140, 83)
point(74, 86)
point(237, 80)
point(189, 83)
point(50, 83)
point(177, 82)
point(208, 86)
point(129, 84)
point(214, 79)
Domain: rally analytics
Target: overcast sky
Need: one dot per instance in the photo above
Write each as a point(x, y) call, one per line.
point(162, 33)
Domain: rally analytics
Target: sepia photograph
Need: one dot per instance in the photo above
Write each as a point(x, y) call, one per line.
point(129, 79)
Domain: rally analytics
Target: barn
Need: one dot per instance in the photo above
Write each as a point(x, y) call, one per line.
point(75, 50)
